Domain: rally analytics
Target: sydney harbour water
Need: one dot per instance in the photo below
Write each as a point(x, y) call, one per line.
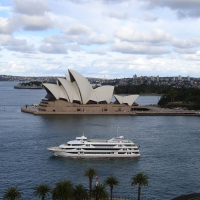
point(169, 147)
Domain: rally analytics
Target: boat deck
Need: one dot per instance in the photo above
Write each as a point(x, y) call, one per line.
point(108, 141)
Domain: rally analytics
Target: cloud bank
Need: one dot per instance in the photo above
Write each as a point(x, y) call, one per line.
point(112, 38)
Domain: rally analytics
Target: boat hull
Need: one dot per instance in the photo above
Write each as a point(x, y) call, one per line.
point(62, 153)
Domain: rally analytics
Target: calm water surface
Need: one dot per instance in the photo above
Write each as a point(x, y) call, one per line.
point(169, 147)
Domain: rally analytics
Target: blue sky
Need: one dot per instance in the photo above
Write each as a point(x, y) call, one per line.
point(100, 38)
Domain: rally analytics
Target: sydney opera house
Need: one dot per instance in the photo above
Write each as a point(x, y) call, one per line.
point(75, 95)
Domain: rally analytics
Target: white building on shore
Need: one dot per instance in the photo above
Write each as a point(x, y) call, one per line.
point(75, 94)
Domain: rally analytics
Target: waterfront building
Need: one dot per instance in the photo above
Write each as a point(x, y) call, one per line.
point(74, 93)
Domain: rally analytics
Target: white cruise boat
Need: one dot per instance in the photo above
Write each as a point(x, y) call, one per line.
point(82, 147)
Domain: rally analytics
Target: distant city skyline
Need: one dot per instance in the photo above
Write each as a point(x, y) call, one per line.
point(102, 38)
point(135, 76)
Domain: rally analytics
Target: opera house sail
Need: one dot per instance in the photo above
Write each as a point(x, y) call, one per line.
point(75, 95)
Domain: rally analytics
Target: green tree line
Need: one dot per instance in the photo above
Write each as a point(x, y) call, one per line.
point(181, 97)
point(142, 89)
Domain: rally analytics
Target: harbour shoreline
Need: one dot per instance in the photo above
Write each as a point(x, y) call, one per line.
point(150, 111)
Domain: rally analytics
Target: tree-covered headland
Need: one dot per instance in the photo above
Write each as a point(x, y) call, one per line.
point(188, 98)
point(141, 89)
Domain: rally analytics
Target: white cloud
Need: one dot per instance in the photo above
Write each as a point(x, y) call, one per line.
point(94, 39)
point(186, 43)
point(125, 33)
point(57, 39)
point(99, 51)
point(49, 67)
point(13, 44)
point(78, 29)
point(74, 47)
point(184, 8)
point(116, 37)
point(128, 48)
point(53, 48)
point(4, 8)
point(156, 36)
point(16, 67)
point(185, 51)
point(31, 7)
point(189, 57)
point(35, 23)
point(116, 14)
point(5, 39)
point(149, 17)
point(30, 56)
point(8, 26)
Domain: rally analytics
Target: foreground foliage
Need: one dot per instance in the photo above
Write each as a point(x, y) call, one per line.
point(99, 192)
point(42, 191)
point(63, 191)
point(111, 181)
point(90, 173)
point(80, 193)
point(140, 179)
point(12, 193)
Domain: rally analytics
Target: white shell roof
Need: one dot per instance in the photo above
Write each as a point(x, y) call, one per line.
point(126, 99)
point(63, 94)
point(83, 84)
point(96, 96)
point(77, 88)
point(106, 92)
point(54, 89)
point(119, 98)
point(67, 77)
point(130, 99)
point(76, 94)
point(68, 86)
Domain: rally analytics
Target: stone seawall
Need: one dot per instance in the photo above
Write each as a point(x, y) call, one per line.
point(152, 111)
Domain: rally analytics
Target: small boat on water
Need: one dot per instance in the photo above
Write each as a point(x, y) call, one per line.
point(82, 147)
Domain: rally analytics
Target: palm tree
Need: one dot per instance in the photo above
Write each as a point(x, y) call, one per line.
point(42, 191)
point(90, 173)
point(140, 179)
point(12, 193)
point(62, 191)
point(80, 193)
point(111, 181)
point(99, 192)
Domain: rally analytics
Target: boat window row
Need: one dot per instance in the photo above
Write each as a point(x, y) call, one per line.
point(98, 153)
point(105, 145)
point(102, 152)
point(106, 148)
